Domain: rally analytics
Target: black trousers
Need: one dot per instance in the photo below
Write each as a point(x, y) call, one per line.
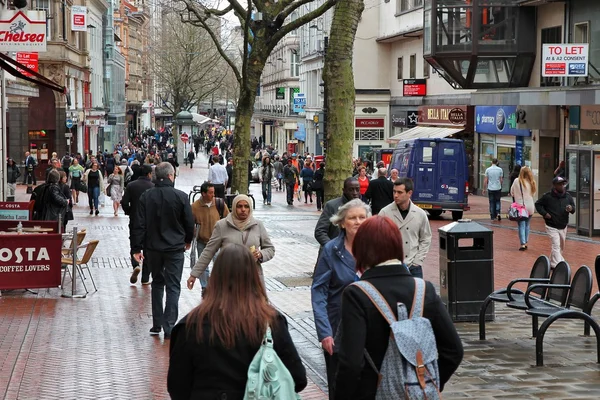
point(331, 365)
point(289, 188)
point(220, 190)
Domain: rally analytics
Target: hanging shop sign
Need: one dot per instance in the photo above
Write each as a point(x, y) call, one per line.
point(559, 60)
point(30, 60)
point(414, 87)
point(78, 18)
point(280, 93)
point(23, 32)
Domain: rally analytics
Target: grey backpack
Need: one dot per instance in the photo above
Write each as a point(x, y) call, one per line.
point(410, 368)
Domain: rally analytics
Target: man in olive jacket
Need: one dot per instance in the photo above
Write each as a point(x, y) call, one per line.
point(163, 230)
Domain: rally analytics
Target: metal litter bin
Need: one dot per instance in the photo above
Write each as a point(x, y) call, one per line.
point(466, 269)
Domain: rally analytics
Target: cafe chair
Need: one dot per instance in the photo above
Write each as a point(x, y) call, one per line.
point(68, 250)
point(82, 263)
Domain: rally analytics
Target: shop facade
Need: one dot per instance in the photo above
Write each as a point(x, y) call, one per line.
point(499, 137)
point(371, 121)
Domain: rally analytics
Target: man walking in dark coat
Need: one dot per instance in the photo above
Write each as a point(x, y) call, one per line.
point(130, 202)
point(380, 191)
point(163, 231)
point(325, 230)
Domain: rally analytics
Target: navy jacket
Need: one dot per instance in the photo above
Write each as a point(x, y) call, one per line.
point(335, 270)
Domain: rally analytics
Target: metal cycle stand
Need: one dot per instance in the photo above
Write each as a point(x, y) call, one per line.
point(75, 269)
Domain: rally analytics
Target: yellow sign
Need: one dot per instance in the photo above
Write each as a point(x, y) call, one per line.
point(316, 119)
point(427, 206)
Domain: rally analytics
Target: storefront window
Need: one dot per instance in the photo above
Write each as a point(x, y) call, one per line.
point(485, 160)
point(584, 138)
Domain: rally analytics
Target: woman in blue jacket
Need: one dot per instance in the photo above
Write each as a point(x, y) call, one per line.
point(335, 270)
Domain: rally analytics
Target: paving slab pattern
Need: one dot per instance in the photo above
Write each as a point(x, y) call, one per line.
point(99, 348)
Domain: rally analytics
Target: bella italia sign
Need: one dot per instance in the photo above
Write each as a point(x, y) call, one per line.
point(23, 31)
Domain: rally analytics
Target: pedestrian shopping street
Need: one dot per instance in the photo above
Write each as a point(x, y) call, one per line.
point(98, 347)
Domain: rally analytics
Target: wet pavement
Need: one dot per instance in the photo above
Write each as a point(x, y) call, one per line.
point(99, 348)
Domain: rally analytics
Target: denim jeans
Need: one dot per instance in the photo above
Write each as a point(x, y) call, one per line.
point(93, 196)
point(266, 191)
point(524, 230)
point(167, 269)
point(204, 277)
point(416, 271)
point(494, 197)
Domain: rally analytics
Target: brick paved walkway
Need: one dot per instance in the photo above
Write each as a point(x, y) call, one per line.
point(99, 347)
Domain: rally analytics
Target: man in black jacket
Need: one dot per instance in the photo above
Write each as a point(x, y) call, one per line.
point(555, 206)
point(325, 230)
point(380, 191)
point(163, 230)
point(130, 202)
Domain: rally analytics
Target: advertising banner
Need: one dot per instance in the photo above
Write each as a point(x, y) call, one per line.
point(12, 211)
point(30, 261)
point(299, 102)
point(78, 18)
point(23, 32)
point(498, 120)
point(30, 60)
point(414, 87)
point(559, 60)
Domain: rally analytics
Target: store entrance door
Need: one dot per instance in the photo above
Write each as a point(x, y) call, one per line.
point(583, 173)
point(506, 160)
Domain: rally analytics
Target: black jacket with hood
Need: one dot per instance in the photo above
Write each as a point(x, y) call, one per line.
point(555, 204)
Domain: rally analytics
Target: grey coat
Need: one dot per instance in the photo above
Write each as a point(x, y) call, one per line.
point(415, 230)
point(225, 232)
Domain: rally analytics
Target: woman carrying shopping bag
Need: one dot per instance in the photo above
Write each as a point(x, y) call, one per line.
point(522, 190)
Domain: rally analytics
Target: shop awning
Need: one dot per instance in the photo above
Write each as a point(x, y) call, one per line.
point(17, 69)
point(429, 132)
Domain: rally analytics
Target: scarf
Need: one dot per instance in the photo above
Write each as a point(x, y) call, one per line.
point(241, 225)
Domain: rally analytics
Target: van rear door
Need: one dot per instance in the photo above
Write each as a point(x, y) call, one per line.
point(425, 158)
point(450, 165)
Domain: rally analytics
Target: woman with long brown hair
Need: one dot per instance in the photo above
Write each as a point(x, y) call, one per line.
point(213, 346)
point(522, 190)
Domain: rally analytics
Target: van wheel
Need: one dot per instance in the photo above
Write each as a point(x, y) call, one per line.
point(456, 215)
point(435, 213)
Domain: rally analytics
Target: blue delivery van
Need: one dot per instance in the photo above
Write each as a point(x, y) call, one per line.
point(439, 170)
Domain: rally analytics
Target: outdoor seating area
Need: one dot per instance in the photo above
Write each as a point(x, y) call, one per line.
point(550, 294)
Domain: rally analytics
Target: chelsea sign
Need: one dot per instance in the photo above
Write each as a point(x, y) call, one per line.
point(20, 31)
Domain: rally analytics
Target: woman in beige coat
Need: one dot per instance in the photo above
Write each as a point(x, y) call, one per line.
point(522, 190)
point(238, 227)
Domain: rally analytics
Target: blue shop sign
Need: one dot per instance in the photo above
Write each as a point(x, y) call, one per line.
point(300, 134)
point(498, 121)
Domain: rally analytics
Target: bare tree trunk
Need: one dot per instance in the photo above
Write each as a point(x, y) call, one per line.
point(339, 84)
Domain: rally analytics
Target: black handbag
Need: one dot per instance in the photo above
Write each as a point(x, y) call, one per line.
point(82, 187)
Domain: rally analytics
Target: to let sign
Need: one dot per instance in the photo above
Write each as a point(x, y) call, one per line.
point(414, 87)
point(78, 18)
point(30, 261)
point(369, 123)
point(30, 60)
point(560, 60)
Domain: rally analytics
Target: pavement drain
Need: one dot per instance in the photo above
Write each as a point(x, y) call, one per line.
point(106, 228)
point(295, 281)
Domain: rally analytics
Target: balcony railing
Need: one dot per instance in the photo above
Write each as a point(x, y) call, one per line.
point(274, 110)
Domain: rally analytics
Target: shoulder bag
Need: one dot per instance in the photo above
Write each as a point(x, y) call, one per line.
point(518, 212)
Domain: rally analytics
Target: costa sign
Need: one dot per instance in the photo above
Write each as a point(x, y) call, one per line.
point(23, 32)
point(30, 261)
point(590, 118)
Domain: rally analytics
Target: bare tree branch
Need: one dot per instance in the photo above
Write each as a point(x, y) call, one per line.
point(293, 7)
point(287, 28)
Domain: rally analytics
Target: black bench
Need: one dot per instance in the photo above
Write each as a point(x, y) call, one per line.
point(579, 292)
point(540, 273)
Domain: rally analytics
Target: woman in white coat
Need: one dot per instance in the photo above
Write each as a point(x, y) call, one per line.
point(522, 190)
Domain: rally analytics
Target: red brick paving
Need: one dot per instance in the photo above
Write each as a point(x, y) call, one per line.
point(99, 347)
